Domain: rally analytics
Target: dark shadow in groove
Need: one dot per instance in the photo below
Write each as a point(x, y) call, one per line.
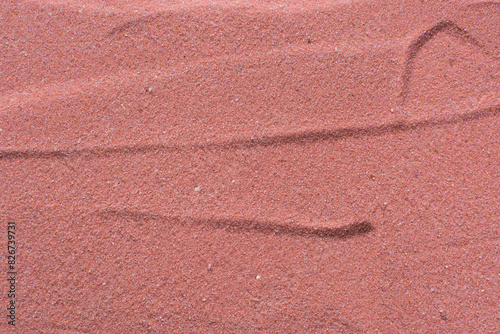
point(295, 138)
point(484, 4)
point(444, 26)
point(247, 225)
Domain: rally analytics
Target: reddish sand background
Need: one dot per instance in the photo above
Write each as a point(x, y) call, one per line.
point(251, 166)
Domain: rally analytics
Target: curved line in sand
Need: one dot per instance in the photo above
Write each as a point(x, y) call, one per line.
point(293, 138)
point(414, 49)
point(342, 231)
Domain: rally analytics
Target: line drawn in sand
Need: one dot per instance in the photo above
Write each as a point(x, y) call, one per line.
point(446, 26)
point(357, 228)
point(248, 225)
point(302, 138)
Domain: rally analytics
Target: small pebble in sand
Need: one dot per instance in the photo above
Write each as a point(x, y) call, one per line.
point(197, 189)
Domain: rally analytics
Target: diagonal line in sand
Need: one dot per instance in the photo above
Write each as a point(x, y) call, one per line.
point(293, 138)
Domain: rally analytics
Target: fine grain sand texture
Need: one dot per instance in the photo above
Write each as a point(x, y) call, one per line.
point(250, 166)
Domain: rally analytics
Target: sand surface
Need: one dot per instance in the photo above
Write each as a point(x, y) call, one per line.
point(251, 166)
